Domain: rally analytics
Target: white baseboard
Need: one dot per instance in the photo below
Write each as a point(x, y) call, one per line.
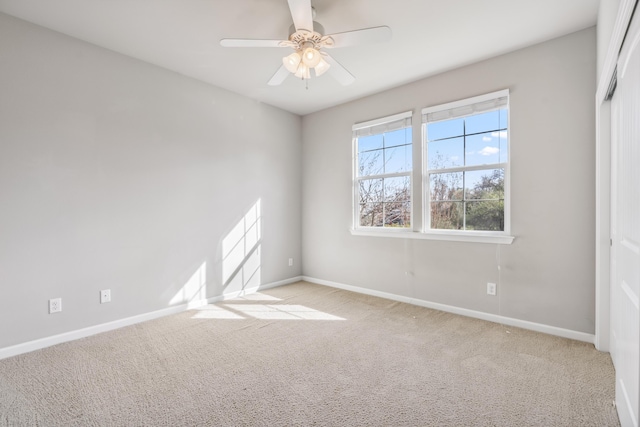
point(116, 324)
point(232, 295)
point(524, 324)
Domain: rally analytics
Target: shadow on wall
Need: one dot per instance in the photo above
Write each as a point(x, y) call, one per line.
point(194, 292)
point(241, 253)
point(240, 262)
point(241, 273)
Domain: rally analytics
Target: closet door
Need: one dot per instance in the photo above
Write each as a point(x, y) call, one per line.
point(625, 232)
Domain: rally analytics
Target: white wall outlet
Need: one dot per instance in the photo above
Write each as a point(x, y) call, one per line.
point(290, 262)
point(491, 288)
point(105, 296)
point(55, 305)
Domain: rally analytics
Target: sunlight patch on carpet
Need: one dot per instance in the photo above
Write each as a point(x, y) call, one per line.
point(282, 312)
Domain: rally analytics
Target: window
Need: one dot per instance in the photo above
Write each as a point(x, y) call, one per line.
point(382, 173)
point(466, 165)
point(461, 176)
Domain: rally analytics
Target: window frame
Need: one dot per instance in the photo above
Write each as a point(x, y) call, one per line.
point(419, 182)
point(368, 230)
point(466, 235)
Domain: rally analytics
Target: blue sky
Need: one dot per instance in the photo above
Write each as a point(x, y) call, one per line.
point(397, 151)
point(486, 143)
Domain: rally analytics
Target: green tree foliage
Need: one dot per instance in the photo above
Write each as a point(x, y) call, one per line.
point(488, 212)
point(481, 209)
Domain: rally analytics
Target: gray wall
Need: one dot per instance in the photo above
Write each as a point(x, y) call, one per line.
point(547, 274)
point(118, 174)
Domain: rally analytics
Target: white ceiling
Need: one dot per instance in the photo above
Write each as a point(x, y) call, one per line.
point(429, 36)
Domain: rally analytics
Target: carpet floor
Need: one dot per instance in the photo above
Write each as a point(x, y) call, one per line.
point(309, 355)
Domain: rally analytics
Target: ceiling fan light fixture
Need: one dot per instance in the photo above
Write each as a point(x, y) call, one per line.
point(292, 62)
point(322, 67)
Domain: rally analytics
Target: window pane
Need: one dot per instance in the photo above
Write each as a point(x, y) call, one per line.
point(502, 136)
point(371, 163)
point(469, 199)
point(446, 186)
point(397, 159)
point(370, 191)
point(446, 215)
point(371, 214)
point(445, 154)
point(397, 137)
point(397, 189)
point(366, 143)
point(487, 215)
point(397, 214)
point(483, 149)
point(382, 173)
point(503, 119)
point(484, 184)
point(445, 129)
point(482, 122)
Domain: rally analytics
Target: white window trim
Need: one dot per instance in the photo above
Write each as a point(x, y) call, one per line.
point(382, 120)
point(448, 235)
point(467, 101)
point(354, 162)
point(501, 237)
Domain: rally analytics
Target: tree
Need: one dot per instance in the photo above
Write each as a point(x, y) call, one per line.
point(384, 202)
point(488, 212)
point(481, 208)
point(446, 197)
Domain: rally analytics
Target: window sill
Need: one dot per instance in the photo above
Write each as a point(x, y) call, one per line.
point(466, 236)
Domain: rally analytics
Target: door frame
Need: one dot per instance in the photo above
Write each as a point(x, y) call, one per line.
point(603, 177)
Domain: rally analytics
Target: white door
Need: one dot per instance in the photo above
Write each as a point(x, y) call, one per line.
point(625, 227)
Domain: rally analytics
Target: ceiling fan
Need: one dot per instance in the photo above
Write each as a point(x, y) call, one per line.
point(307, 39)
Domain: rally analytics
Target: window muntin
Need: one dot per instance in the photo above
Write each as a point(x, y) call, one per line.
point(466, 164)
point(383, 162)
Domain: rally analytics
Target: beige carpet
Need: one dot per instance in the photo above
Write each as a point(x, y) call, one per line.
point(305, 355)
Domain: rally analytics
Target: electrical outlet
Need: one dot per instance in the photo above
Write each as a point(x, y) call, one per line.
point(290, 262)
point(55, 305)
point(105, 296)
point(491, 288)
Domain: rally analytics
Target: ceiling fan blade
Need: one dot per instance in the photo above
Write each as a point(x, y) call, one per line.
point(338, 72)
point(250, 43)
point(364, 36)
point(301, 14)
point(279, 76)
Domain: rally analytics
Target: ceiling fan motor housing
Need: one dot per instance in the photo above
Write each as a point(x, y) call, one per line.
point(302, 38)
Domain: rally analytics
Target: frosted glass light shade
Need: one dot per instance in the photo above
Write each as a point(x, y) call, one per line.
point(322, 67)
point(292, 62)
point(303, 72)
point(311, 57)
